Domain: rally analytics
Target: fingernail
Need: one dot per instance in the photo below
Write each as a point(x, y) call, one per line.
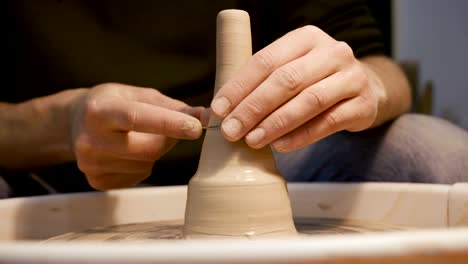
point(220, 106)
point(255, 137)
point(232, 127)
point(281, 145)
point(192, 128)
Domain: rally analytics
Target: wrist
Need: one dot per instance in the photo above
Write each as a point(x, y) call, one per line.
point(390, 85)
point(377, 87)
point(68, 109)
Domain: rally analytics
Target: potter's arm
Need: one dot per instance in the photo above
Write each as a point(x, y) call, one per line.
point(35, 133)
point(115, 132)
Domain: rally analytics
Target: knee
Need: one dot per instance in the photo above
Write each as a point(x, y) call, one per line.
point(412, 148)
point(426, 133)
point(428, 126)
point(425, 149)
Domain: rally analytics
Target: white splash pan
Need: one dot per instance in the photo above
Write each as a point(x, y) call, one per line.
point(436, 213)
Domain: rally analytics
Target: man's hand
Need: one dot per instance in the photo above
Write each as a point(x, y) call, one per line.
point(298, 90)
point(118, 131)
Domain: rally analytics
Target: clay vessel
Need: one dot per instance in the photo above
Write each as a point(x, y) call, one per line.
point(237, 191)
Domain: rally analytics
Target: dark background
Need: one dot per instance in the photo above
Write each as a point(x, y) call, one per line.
point(382, 11)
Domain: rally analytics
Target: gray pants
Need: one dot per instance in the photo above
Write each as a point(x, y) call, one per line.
point(413, 148)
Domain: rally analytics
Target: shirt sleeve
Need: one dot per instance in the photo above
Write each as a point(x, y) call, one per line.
point(344, 20)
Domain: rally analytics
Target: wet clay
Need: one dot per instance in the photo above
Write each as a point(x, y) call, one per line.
point(172, 230)
point(237, 191)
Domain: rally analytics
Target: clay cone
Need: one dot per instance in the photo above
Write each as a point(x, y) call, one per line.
point(237, 191)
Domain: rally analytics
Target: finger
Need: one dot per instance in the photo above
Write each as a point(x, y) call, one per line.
point(123, 115)
point(146, 147)
point(339, 117)
point(116, 180)
point(130, 146)
point(287, 48)
point(309, 103)
point(99, 162)
point(282, 85)
point(205, 116)
point(148, 95)
point(154, 97)
point(197, 111)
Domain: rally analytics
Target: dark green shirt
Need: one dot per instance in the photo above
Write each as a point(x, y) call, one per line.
point(53, 45)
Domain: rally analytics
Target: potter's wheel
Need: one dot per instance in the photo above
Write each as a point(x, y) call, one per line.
point(173, 230)
point(385, 207)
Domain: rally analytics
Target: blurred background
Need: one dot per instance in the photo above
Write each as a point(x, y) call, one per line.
point(430, 39)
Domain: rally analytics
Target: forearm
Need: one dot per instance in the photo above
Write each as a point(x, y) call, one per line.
point(391, 85)
point(36, 133)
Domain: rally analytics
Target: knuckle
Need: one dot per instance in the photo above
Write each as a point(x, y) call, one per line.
point(288, 78)
point(361, 120)
point(279, 123)
point(367, 98)
point(112, 180)
point(310, 30)
point(361, 78)
point(152, 91)
point(360, 114)
point(370, 110)
point(152, 150)
point(301, 139)
point(89, 169)
point(254, 108)
point(314, 97)
point(91, 109)
point(83, 146)
point(343, 51)
point(166, 125)
point(131, 118)
point(105, 86)
point(148, 154)
point(332, 121)
point(82, 165)
point(309, 134)
point(99, 181)
point(104, 181)
point(238, 85)
point(265, 60)
point(154, 95)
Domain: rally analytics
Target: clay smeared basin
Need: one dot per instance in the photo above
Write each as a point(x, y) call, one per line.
point(434, 214)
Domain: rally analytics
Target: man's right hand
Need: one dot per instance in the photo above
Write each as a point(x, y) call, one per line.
point(118, 131)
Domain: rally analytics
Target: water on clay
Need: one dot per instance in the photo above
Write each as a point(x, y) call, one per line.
point(173, 230)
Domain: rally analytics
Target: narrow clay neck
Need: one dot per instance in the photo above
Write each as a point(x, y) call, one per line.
point(233, 48)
